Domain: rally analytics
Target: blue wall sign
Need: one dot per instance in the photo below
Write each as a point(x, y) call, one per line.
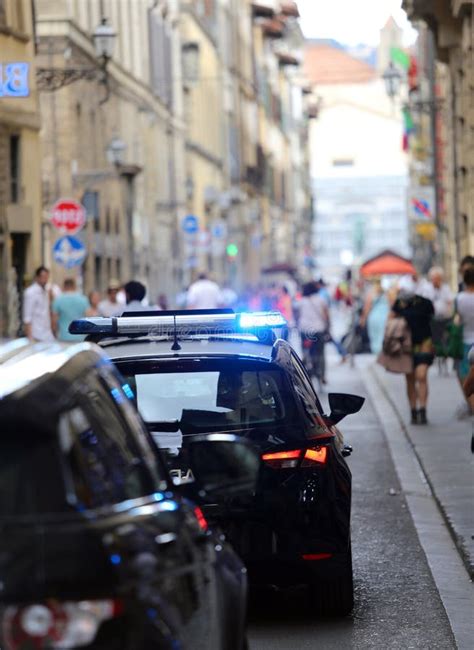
point(190, 224)
point(69, 252)
point(14, 80)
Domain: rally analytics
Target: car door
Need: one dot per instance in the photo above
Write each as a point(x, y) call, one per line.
point(158, 541)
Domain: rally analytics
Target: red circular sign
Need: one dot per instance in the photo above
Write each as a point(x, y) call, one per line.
point(68, 215)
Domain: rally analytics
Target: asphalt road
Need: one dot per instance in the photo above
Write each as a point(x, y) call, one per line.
point(397, 604)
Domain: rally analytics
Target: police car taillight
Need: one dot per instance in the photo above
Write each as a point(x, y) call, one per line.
point(296, 457)
point(54, 624)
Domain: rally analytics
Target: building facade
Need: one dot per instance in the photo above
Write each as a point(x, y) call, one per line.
point(358, 167)
point(450, 25)
point(20, 180)
point(118, 147)
point(246, 137)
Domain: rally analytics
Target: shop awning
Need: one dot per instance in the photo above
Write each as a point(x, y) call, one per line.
point(387, 263)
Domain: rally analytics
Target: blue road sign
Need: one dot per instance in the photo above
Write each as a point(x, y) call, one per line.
point(190, 224)
point(69, 252)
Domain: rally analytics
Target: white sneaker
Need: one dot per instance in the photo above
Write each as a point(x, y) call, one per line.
point(462, 411)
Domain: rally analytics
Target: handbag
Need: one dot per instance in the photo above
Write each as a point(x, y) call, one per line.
point(455, 345)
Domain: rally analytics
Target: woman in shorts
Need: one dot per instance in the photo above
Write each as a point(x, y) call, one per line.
point(418, 312)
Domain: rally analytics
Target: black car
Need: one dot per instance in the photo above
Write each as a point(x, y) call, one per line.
point(98, 548)
point(194, 373)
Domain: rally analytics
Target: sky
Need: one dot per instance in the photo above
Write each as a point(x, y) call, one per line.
point(352, 21)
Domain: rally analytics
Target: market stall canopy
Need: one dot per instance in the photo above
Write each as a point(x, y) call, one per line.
point(387, 263)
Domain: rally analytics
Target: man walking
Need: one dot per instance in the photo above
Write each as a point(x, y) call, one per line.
point(69, 306)
point(135, 293)
point(36, 308)
point(111, 306)
point(204, 294)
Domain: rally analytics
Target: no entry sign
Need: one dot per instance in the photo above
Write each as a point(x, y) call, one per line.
point(68, 216)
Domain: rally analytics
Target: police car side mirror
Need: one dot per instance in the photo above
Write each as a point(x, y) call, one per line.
point(223, 465)
point(342, 404)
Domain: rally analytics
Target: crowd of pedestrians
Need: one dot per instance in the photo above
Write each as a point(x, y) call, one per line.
point(48, 310)
point(407, 323)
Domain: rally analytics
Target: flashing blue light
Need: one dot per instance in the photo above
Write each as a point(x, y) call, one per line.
point(171, 506)
point(117, 395)
point(115, 559)
point(128, 391)
point(261, 319)
point(158, 496)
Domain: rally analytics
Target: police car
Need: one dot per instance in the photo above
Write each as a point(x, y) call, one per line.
point(197, 372)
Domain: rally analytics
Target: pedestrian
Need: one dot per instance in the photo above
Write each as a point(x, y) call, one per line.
point(466, 262)
point(418, 312)
point(204, 294)
point(162, 302)
point(94, 302)
point(313, 324)
point(111, 306)
point(374, 316)
point(284, 305)
point(135, 293)
point(229, 297)
point(438, 291)
point(37, 308)
point(465, 318)
point(70, 305)
point(468, 388)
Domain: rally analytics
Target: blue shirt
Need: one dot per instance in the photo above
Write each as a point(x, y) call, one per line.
point(69, 306)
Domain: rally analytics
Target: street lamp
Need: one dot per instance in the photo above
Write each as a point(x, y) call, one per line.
point(53, 78)
point(104, 41)
point(115, 151)
point(393, 80)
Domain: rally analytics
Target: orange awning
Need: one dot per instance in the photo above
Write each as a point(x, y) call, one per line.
point(387, 263)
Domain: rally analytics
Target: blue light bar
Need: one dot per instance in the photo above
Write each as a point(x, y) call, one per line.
point(182, 324)
point(256, 320)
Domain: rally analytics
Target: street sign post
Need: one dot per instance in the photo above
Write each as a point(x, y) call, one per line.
point(190, 224)
point(421, 203)
point(69, 252)
point(68, 216)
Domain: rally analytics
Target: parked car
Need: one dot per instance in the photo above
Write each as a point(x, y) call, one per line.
point(98, 548)
point(194, 373)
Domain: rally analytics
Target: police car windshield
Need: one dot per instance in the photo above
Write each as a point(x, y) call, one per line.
point(197, 397)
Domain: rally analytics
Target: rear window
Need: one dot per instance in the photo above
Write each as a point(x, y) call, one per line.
point(185, 398)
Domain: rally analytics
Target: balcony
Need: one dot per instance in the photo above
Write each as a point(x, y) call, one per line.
point(286, 59)
point(264, 8)
point(273, 28)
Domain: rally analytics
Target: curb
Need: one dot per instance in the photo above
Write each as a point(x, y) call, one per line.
point(446, 564)
point(468, 564)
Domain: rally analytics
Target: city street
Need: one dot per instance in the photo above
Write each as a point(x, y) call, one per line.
point(397, 604)
point(208, 207)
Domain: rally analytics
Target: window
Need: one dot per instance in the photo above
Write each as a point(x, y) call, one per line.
point(343, 162)
point(312, 407)
point(106, 466)
point(196, 397)
point(90, 201)
point(15, 169)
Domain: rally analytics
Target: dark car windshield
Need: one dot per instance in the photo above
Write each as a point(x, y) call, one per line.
point(189, 397)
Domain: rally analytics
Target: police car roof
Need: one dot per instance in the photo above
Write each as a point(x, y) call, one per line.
point(196, 346)
point(23, 363)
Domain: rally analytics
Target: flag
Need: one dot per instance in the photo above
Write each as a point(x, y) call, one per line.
point(400, 57)
point(408, 125)
point(408, 128)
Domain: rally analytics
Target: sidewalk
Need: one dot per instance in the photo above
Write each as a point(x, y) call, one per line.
point(443, 451)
